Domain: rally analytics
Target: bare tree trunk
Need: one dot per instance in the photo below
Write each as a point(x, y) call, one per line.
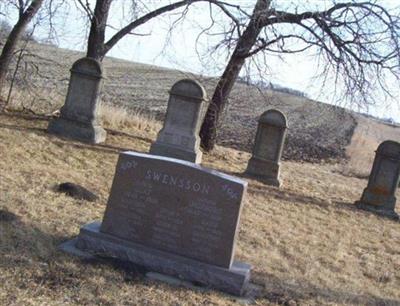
point(12, 39)
point(96, 48)
point(224, 86)
point(14, 75)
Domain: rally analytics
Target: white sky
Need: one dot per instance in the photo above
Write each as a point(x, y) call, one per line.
point(295, 72)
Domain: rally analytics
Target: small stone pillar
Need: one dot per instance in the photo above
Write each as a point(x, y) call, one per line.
point(268, 146)
point(379, 196)
point(179, 138)
point(78, 117)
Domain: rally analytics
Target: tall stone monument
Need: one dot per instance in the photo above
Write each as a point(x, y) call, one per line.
point(268, 146)
point(379, 196)
point(171, 216)
point(78, 117)
point(179, 137)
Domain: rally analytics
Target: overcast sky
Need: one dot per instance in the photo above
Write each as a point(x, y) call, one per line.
point(155, 45)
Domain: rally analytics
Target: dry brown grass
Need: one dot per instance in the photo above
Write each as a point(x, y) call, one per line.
point(361, 156)
point(317, 131)
point(123, 119)
point(366, 138)
point(39, 100)
point(307, 242)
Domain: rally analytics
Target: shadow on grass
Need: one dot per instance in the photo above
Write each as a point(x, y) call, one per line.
point(28, 250)
point(125, 134)
point(290, 196)
point(281, 292)
point(34, 257)
point(39, 131)
point(32, 117)
point(101, 147)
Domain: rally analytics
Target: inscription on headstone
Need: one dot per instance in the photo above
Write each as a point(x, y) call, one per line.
point(176, 208)
point(179, 137)
point(268, 146)
point(379, 196)
point(185, 212)
point(78, 117)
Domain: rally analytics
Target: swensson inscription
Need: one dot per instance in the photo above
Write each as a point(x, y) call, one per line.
point(175, 206)
point(176, 181)
point(173, 217)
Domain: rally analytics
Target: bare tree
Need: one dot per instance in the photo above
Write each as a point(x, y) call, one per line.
point(27, 10)
point(97, 47)
point(357, 41)
point(37, 13)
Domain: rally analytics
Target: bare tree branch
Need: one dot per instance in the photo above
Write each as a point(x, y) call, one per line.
point(358, 43)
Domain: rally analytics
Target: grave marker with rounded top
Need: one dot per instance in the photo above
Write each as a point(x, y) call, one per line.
point(78, 117)
point(179, 137)
point(268, 146)
point(379, 196)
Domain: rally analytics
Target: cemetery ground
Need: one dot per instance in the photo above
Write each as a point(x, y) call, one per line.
point(307, 242)
point(316, 130)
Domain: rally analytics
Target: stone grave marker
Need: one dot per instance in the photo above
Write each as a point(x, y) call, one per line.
point(173, 217)
point(268, 146)
point(78, 117)
point(379, 195)
point(179, 137)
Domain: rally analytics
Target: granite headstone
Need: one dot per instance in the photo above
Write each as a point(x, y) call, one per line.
point(268, 146)
point(78, 117)
point(173, 217)
point(179, 137)
point(379, 196)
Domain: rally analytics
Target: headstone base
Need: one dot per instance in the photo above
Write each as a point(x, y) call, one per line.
point(92, 242)
point(266, 171)
point(176, 152)
point(86, 132)
point(378, 210)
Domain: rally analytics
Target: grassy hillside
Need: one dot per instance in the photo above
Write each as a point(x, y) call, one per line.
point(367, 136)
point(307, 242)
point(316, 130)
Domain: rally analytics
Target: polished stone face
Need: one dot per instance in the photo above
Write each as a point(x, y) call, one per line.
point(175, 206)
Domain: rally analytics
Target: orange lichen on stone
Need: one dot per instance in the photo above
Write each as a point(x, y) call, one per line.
point(380, 190)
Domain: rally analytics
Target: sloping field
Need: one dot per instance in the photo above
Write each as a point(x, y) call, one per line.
point(307, 242)
point(367, 136)
point(316, 130)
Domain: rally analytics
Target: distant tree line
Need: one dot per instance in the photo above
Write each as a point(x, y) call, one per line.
point(262, 84)
point(287, 90)
point(387, 120)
